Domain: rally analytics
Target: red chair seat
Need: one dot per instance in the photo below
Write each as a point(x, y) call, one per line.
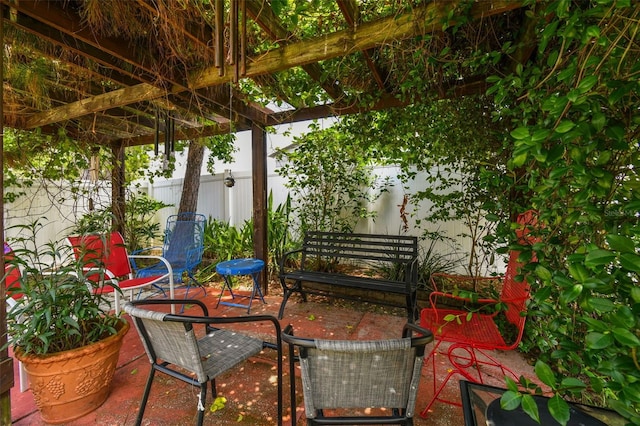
point(479, 331)
point(128, 283)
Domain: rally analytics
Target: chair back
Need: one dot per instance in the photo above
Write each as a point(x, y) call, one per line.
point(102, 251)
point(184, 239)
point(515, 294)
point(360, 374)
point(12, 274)
point(170, 341)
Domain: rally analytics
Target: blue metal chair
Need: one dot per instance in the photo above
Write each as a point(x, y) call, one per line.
point(183, 247)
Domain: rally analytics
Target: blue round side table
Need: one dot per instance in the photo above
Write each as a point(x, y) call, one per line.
point(237, 267)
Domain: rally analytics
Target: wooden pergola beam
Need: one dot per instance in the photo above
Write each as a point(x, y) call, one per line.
point(418, 22)
point(270, 24)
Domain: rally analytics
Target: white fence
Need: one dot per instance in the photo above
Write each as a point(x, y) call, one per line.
point(60, 209)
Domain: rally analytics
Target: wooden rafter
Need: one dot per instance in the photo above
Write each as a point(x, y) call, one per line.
point(420, 21)
point(270, 24)
point(350, 11)
point(368, 35)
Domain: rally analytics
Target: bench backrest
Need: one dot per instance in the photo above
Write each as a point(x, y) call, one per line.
point(398, 249)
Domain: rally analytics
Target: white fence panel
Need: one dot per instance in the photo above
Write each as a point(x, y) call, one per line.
point(57, 208)
point(233, 205)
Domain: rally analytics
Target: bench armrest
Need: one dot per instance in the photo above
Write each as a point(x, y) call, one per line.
point(283, 261)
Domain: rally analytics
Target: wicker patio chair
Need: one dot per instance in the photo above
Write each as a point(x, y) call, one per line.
point(175, 348)
point(346, 375)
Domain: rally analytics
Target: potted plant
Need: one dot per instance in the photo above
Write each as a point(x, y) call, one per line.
point(61, 330)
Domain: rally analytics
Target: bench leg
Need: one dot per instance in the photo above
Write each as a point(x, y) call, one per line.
point(413, 312)
point(288, 291)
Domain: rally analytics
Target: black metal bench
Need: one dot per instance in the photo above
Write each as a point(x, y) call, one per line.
point(324, 255)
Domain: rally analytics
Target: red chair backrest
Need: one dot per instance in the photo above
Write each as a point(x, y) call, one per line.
point(102, 251)
point(514, 293)
point(12, 279)
point(12, 272)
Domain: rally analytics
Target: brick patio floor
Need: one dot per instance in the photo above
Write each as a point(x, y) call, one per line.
point(251, 389)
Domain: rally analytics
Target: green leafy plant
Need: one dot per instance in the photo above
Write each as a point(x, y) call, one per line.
point(56, 309)
point(330, 181)
point(575, 129)
point(141, 229)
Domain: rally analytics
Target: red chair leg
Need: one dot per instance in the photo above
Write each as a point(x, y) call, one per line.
point(465, 361)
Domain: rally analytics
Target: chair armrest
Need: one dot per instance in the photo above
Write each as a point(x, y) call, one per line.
point(90, 271)
point(209, 321)
point(160, 258)
point(283, 260)
point(138, 252)
point(196, 302)
point(409, 328)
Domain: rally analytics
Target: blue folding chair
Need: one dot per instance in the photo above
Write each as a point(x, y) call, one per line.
point(182, 248)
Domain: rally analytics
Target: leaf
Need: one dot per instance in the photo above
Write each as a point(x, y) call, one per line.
point(519, 160)
point(218, 404)
point(626, 337)
point(601, 305)
point(510, 400)
point(571, 294)
point(578, 272)
point(565, 126)
point(530, 407)
point(520, 133)
point(559, 409)
point(543, 273)
point(571, 383)
point(587, 83)
point(545, 374)
point(630, 261)
point(621, 243)
point(596, 340)
point(599, 257)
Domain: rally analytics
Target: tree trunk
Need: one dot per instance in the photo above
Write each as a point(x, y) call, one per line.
point(191, 184)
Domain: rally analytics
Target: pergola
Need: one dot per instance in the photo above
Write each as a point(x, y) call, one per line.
point(121, 73)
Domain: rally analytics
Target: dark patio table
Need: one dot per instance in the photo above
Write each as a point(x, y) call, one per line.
point(481, 406)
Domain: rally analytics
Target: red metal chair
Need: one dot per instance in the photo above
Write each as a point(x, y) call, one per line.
point(107, 255)
point(12, 275)
point(474, 331)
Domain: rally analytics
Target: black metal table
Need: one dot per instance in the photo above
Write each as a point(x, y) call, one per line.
point(481, 407)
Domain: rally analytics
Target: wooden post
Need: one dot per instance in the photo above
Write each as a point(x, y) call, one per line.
point(259, 177)
point(6, 362)
point(117, 188)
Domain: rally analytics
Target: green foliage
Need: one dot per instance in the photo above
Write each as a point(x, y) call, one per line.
point(56, 309)
point(574, 111)
point(140, 228)
point(430, 261)
point(224, 242)
point(455, 146)
point(221, 148)
point(330, 179)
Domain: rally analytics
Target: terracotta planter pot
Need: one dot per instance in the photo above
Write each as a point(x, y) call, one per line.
point(67, 385)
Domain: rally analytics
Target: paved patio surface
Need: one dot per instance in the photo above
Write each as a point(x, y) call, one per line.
point(250, 390)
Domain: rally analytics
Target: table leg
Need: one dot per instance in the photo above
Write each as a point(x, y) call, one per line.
point(256, 288)
point(226, 284)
